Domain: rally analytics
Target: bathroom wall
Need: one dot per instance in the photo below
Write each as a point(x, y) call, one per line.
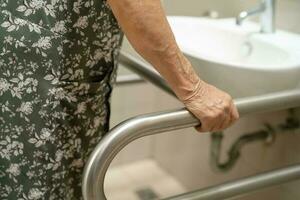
point(198, 7)
point(185, 153)
point(287, 11)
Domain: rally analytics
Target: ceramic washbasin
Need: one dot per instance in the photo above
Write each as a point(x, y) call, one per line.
point(239, 59)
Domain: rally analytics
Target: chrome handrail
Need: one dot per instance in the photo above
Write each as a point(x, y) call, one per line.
point(144, 125)
point(146, 71)
point(128, 79)
point(244, 185)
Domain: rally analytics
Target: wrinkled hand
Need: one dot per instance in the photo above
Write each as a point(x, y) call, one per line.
point(214, 108)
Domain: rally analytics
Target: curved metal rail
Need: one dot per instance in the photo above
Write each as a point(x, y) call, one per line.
point(141, 126)
point(147, 72)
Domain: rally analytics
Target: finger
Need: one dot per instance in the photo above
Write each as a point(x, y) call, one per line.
point(233, 115)
point(235, 112)
point(206, 126)
point(229, 118)
point(223, 117)
point(219, 126)
point(227, 122)
point(216, 122)
point(199, 128)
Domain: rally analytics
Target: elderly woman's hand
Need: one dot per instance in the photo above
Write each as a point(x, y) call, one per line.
point(147, 29)
point(214, 108)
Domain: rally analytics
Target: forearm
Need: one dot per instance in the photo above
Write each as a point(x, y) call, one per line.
point(147, 29)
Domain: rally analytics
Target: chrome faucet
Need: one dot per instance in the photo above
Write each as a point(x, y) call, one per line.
point(266, 9)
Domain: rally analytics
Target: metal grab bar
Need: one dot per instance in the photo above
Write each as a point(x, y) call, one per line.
point(139, 67)
point(245, 185)
point(127, 79)
point(141, 126)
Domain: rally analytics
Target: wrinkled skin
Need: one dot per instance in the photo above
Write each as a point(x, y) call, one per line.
point(146, 27)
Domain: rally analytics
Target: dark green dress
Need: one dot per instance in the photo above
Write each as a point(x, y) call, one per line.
point(57, 67)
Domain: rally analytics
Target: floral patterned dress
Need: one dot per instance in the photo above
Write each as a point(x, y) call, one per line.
point(57, 68)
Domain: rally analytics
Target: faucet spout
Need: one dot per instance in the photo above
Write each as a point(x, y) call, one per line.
point(245, 14)
point(266, 10)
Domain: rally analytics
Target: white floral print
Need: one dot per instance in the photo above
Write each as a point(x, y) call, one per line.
point(43, 42)
point(82, 22)
point(35, 194)
point(13, 170)
point(57, 68)
point(25, 108)
point(60, 27)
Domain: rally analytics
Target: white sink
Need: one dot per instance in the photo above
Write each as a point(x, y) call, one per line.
point(239, 59)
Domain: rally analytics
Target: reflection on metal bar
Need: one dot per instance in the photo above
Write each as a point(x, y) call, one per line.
point(144, 70)
point(245, 185)
point(129, 78)
point(132, 129)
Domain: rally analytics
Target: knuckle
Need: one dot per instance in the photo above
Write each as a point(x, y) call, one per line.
point(226, 102)
point(228, 98)
point(209, 117)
